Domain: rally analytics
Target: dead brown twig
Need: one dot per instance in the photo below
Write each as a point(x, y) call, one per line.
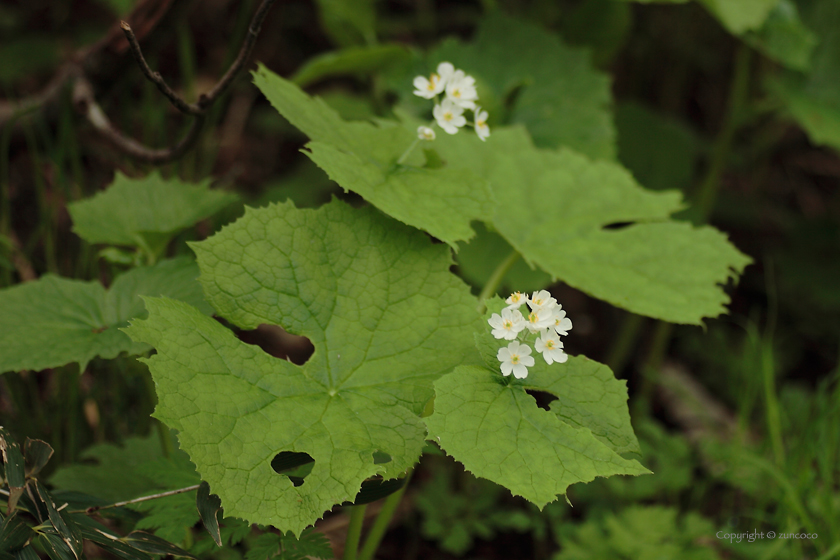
point(86, 104)
point(100, 63)
point(84, 73)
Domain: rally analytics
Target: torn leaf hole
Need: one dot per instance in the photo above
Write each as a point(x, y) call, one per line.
point(374, 489)
point(293, 465)
point(278, 343)
point(543, 399)
point(380, 457)
point(618, 225)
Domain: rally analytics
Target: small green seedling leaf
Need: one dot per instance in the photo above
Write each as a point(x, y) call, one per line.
point(73, 321)
point(386, 317)
point(145, 212)
point(37, 455)
point(14, 468)
point(363, 158)
point(208, 506)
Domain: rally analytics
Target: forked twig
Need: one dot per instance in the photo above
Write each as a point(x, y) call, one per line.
point(86, 103)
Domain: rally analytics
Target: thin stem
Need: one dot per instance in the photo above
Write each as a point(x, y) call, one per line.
point(495, 280)
point(624, 343)
point(704, 200)
point(708, 189)
point(138, 500)
point(653, 363)
point(383, 520)
point(354, 532)
point(774, 422)
point(407, 153)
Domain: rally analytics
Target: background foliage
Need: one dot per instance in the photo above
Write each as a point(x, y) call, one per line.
point(734, 104)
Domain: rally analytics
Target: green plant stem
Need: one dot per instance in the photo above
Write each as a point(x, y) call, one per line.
point(623, 344)
point(354, 532)
point(383, 520)
point(768, 370)
point(653, 363)
point(495, 280)
point(704, 201)
point(70, 421)
point(708, 190)
point(774, 422)
point(408, 151)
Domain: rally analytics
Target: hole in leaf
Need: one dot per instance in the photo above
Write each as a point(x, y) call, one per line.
point(543, 399)
point(380, 457)
point(278, 343)
point(618, 225)
point(375, 489)
point(294, 465)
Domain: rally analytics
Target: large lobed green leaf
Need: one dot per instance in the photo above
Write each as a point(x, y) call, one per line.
point(144, 211)
point(495, 428)
point(362, 157)
point(553, 207)
point(386, 318)
point(53, 321)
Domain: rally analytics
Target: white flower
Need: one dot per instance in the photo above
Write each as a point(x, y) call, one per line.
point(541, 299)
point(515, 300)
point(445, 71)
point(551, 348)
point(425, 133)
point(539, 319)
point(428, 87)
point(562, 324)
point(508, 325)
point(449, 116)
point(515, 358)
point(460, 88)
point(481, 127)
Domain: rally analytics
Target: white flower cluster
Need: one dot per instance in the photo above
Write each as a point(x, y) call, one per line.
point(546, 319)
point(459, 95)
